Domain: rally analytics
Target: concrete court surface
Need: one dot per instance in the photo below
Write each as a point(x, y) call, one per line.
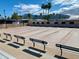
point(53, 35)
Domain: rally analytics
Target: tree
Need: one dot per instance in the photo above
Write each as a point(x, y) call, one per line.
point(47, 17)
point(43, 7)
point(40, 14)
point(46, 7)
point(15, 16)
point(8, 18)
point(49, 7)
point(29, 15)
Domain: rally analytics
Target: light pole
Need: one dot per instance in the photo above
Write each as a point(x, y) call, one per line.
point(5, 18)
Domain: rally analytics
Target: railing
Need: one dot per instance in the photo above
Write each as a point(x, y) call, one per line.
point(65, 47)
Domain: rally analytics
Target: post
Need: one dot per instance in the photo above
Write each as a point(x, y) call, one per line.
point(17, 40)
point(10, 37)
point(6, 36)
point(44, 46)
point(61, 51)
point(24, 42)
point(33, 44)
point(0, 35)
point(5, 18)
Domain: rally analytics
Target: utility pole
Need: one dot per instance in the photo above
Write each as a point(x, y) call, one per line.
point(5, 18)
point(4, 14)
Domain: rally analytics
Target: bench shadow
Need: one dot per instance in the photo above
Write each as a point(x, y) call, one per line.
point(6, 39)
point(19, 43)
point(12, 45)
point(32, 53)
point(2, 41)
point(41, 51)
point(60, 57)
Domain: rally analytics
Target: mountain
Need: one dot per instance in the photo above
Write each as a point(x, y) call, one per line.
point(52, 16)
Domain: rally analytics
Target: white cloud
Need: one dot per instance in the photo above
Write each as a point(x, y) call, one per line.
point(68, 2)
point(64, 2)
point(25, 8)
point(72, 10)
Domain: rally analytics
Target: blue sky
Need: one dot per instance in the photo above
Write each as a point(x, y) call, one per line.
point(70, 7)
point(8, 5)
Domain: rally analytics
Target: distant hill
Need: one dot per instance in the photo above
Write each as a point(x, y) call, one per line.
point(52, 16)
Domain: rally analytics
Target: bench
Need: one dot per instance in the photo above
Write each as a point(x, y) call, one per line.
point(8, 36)
point(38, 41)
point(20, 37)
point(66, 47)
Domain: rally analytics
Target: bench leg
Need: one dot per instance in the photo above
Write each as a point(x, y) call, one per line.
point(61, 52)
point(17, 40)
point(24, 42)
point(33, 44)
point(6, 36)
point(44, 46)
point(10, 38)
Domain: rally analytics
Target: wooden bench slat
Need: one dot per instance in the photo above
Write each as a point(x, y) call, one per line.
point(39, 41)
point(7, 34)
point(20, 37)
point(17, 36)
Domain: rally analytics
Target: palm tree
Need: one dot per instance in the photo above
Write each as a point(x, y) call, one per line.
point(46, 7)
point(49, 7)
point(29, 17)
point(43, 7)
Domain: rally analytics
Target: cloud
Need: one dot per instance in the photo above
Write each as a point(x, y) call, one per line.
point(72, 10)
point(64, 2)
point(70, 7)
point(27, 8)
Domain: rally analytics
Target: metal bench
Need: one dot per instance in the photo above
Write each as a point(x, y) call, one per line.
point(8, 36)
point(39, 41)
point(66, 47)
point(20, 37)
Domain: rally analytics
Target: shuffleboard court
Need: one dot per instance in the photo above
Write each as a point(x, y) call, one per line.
point(52, 35)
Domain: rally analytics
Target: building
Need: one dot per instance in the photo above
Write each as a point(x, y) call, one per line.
point(56, 23)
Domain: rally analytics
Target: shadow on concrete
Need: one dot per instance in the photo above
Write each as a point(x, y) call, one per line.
point(12, 45)
point(60, 57)
point(2, 41)
point(18, 43)
point(41, 51)
point(32, 53)
point(6, 39)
